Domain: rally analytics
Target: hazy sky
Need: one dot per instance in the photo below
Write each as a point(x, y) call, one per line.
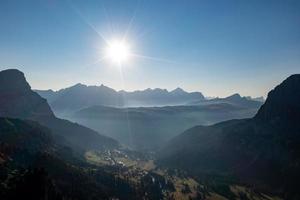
point(216, 47)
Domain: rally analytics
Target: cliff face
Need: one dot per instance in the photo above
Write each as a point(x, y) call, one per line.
point(17, 100)
point(282, 105)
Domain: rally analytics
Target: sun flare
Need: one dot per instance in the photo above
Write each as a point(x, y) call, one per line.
point(118, 51)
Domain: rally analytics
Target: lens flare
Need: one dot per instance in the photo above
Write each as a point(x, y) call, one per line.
point(118, 51)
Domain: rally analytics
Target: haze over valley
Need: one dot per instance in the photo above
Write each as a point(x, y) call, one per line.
point(145, 119)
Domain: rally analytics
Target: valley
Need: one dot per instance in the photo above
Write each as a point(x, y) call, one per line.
point(229, 160)
point(148, 128)
point(140, 170)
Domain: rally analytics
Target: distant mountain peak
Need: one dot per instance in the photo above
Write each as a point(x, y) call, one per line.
point(159, 89)
point(234, 97)
point(178, 90)
point(259, 99)
point(79, 85)
point(49, 90)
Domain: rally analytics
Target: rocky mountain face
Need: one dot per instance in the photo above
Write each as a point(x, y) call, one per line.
point(17, 100)
point(263, 151)
point(283, 104)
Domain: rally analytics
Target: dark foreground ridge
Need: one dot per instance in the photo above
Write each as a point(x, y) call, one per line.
point(263, 151)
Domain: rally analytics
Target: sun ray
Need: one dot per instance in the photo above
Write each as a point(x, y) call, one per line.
point(130, 24)
point(153, 58)
point(125, 107)
point(107, 18)
point(90, 25)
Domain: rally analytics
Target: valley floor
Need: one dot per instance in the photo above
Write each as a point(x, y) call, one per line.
point(140, 171)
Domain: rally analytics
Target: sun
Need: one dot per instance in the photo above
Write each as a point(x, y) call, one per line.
point(118, 51)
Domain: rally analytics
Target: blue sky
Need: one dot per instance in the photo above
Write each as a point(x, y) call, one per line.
point(218, 47)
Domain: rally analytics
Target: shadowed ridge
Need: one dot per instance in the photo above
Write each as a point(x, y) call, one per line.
point(13, 80)
point(282, 104)
point(17, 100)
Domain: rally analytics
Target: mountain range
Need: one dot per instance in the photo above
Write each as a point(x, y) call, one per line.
point(159, 115)
point(262, 151)
point(81, 96)
point(235, 100)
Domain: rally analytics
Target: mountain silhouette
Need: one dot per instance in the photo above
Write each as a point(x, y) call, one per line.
point(263, 151)
point(81, 96)
point(17, 100)
point(282, 105)
point(235, 99)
